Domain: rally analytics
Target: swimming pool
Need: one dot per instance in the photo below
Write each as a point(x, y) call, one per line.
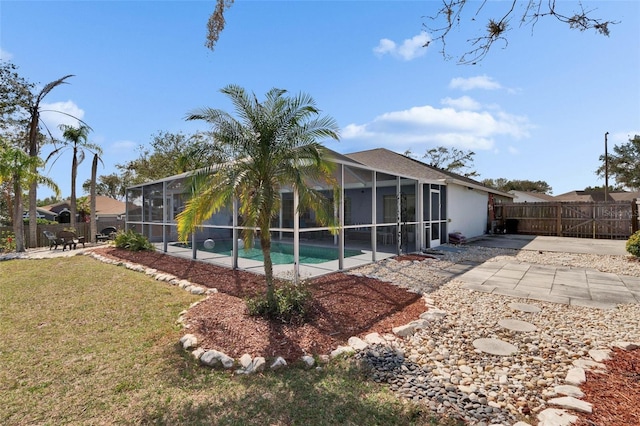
point(281, 252)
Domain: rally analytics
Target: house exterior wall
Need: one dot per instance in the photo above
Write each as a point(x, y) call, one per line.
point(467, 211)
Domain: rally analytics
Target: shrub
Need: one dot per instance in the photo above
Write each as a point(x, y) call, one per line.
point(633, 244)
point(131, 240)
point(293, 304)
point(7, 242)
point(41, 221)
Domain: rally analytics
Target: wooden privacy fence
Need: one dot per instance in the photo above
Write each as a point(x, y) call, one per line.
point(610, 220)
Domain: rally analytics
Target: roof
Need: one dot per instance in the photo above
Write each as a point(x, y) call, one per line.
point(42, 212)
point(105, 206)
point(591, 196)
point(387, 161)
point(394, 163)
point(541, 196)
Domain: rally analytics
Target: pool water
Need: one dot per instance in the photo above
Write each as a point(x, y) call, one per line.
point(281, 253)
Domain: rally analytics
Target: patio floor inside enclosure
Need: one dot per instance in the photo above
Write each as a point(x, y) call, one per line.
point(283, 270)
point(379, 215)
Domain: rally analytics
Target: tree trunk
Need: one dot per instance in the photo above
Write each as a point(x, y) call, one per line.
point(33, 187)
point(265, 244)
point(74, 172)
point(33, 216)
point(93, 225)
point(18, 222)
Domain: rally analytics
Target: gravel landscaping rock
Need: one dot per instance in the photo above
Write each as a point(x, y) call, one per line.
point(440, 367)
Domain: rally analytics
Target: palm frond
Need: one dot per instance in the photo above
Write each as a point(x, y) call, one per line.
point(50, 86)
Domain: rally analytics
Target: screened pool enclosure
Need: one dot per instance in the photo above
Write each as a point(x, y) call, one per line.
point(379, 215)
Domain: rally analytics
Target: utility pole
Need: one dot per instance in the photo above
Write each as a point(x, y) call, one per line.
point(606, 170)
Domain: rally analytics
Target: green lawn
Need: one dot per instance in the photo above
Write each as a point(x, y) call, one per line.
point(89, 343)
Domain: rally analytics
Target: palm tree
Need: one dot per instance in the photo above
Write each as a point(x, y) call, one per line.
point(35, 138)
point(76, 138)
point(17, 169)
point(272, 145)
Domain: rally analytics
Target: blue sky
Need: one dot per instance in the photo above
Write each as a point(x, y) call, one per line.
point(537, 109)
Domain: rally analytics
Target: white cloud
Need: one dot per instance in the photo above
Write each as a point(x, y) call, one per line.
point(478, 82)
point(57, 113)
point(466, 126)
point(4, 55)
point(385, 46)
point(353, 131)
point(464, 102)
point(409, 49)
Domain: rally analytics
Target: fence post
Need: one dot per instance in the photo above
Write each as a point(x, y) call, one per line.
point(559, 219)
point(634, 216)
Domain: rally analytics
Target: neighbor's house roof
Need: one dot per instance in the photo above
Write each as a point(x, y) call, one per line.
point(591, 196)
point(625, 196)
point(42, 212)
point(530, 197)
point(105, 206)
point(392, 162)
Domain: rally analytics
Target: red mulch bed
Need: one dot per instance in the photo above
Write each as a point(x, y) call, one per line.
point(615, 395)
point(344, 306)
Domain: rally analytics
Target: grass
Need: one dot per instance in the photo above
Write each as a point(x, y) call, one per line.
point(89, 343)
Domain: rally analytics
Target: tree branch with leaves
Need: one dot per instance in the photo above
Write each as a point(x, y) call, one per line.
point(469, 14)
point(624, 164)
point(464, 13)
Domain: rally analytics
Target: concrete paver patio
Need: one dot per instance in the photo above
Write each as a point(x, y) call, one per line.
point(575, 286)
point(559, 284)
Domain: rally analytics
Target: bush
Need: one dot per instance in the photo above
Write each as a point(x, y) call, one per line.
point(41, 221)
point(293, 304)
point(7, 242)
point(633, 244)
point(131, 240)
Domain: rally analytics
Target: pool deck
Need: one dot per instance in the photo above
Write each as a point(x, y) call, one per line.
point(306, 270)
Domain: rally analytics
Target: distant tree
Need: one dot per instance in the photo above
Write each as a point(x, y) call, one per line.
point(48, 201)
point(505, 185)
point(170, 153)
point(452, 14)
point(611, 188)
point(624, 164)
point(15, 100)
point(455, 14)
point(499, 183)
point(77, 140)
point(452, 160)
point(6, 203)
point(17, 171)
point(111, 185)
point(83, 208)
